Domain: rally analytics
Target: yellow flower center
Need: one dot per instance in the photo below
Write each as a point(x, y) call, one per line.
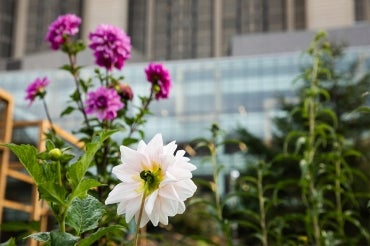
point(151, 179)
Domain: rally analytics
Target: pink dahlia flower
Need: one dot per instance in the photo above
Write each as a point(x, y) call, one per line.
point(159, 76)
point(36, 88)
point(63, 27)
point(111, 46)
point(105, 102)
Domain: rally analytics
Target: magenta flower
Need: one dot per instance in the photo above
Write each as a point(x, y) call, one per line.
point(36, 89)
point(111, 46)
point(159, 76)
point(63, 27)
point(105, 102)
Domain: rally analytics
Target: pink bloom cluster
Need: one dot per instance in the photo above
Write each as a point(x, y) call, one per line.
point(159, 76)
point(105, 102)
point(61, 28)
point(111, 46)
point(36, 88)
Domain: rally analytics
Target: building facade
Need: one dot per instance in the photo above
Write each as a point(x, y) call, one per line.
point(171, 30)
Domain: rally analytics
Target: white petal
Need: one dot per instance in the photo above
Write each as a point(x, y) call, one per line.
point(185, 189)
point(125, 173)
point(133, 159)
point(132, 208)
point(121, 208)
point(150, 201)
point(144, 219)
point(122, 192)
point(141, 147)
point(181, 208)
point(169, 192)
point(170, 148)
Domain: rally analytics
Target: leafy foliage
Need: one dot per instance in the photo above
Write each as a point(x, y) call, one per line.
point(312, 191)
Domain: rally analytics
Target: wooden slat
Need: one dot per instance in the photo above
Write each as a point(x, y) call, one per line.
point(20, 176)
point(17, 206)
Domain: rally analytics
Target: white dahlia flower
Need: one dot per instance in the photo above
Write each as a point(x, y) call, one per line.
point(155, 182)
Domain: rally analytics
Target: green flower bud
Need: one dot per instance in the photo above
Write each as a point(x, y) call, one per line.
point(55, 154)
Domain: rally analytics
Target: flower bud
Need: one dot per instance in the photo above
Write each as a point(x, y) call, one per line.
point(125, 92)
point(55, 154)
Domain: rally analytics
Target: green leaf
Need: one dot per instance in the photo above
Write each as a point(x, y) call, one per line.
point(52, 193)
point(10, 242)
point(76, 171)
point(58, 238)
point(67, 111)
point(129, 141)
point(40, 236)
point(27, 156)
point(83, 187)
point(363, 109)
point(100, 233)
point(14, 226)
point(44, 174)
point(66, 67)
point(84, 214)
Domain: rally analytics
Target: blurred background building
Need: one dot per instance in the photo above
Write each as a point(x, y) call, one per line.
point(171, 30)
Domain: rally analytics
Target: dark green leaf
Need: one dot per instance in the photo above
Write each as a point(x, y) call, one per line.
point(40, 236)
point(84, 214)
point(76, 171)
point(67, 111)
point(92, 238)
point(62, 239)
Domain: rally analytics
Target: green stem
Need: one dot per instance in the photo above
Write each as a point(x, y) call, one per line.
point(62, 222)
point(338, 198)
point(72, 62)
point(261, 201)
point(224, 225)
point(139, 220)
point(311, 153)
point(215, 179)
point(141, 114)
point(59, 173)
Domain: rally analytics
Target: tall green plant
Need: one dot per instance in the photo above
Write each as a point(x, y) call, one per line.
point(315, 200)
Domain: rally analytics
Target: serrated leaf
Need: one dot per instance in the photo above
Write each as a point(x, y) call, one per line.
point(52, 193)
point(76, 171)
point(83, 187)
point(40, 236)
point(27, 156)
point(84, 214)
point(58, 238)
point(92, 238)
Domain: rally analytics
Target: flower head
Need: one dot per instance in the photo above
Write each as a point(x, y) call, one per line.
point(153, 173)
point(111, 46)
point(105, 102)
point(63, 27)
point(36, 89)
point(159, 76)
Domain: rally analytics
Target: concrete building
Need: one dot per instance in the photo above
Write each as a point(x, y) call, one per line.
point(165, 29)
